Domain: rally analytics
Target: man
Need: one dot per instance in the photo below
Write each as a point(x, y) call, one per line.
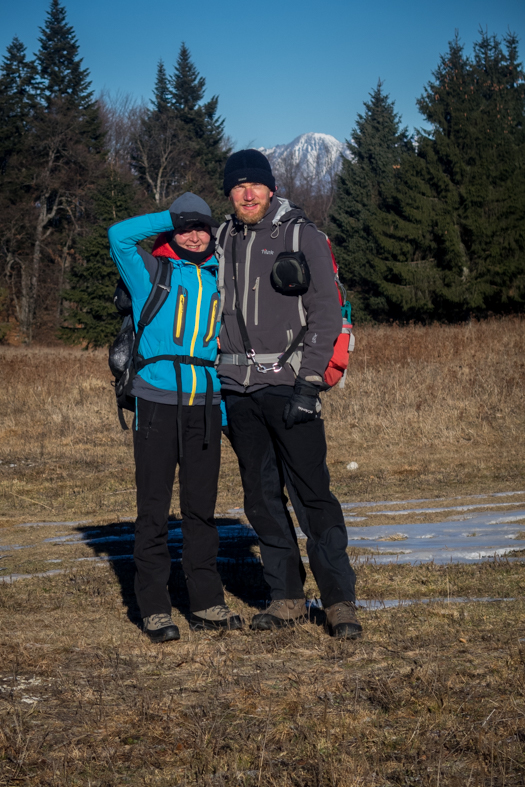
point(177, 419)
point(277, 409)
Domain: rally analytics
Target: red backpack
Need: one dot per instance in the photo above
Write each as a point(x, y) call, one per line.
point(345, 342)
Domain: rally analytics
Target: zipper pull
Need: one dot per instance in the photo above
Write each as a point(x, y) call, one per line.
point(245, 230)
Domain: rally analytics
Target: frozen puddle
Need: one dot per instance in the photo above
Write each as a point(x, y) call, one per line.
point(480, 530)
point(371, 605)
point(408, 511)
point(13, 577)
point(482, 536)
point(55, 524)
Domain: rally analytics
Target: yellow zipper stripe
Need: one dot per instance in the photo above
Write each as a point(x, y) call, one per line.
point(212, 321)
point(195, 332)
point(180, 315)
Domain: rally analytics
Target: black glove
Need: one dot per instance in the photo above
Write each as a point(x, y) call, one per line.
point(226, 431)
point(303, 405)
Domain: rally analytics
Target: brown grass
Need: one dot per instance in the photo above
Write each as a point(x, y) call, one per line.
point(426, 410)
point(432, 696)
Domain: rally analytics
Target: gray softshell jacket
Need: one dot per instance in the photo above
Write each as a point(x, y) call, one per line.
point(273, 319)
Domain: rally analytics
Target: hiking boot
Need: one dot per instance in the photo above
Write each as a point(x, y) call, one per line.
point(160, 627)
point(215, 618)
point(342, 621)
point(281, 612)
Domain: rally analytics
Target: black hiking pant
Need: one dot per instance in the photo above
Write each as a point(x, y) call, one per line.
point(256, 431)
point(156, 457)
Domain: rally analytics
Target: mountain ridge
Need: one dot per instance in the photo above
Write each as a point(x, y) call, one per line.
point(315, 155)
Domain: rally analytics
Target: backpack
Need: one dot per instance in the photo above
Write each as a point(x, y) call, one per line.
point(123, 355)
point(345, 342)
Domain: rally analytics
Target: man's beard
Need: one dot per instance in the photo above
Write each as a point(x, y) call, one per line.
point(253, 218)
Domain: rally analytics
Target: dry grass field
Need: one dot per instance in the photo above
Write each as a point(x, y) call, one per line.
point(433, 695)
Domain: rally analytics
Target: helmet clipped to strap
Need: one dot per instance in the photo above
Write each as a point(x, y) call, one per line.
point(290, 273)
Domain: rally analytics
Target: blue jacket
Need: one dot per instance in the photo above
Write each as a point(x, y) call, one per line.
point(187, 322)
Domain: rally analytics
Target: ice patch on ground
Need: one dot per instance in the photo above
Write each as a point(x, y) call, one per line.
point(55, 524)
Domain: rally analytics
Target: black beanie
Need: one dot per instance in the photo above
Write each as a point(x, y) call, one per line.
point(248, 166)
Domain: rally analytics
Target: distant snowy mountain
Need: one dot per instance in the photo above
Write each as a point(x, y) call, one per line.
point(316, 156)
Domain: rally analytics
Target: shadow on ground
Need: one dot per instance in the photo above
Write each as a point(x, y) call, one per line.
point(240, 569)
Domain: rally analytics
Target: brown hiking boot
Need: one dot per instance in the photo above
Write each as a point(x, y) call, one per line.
point(215, 618)
point(342, 621)
point(281, 612)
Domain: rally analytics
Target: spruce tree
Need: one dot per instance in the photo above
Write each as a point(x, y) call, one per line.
point(180, 145)
point(364, 191)
point(495, 230)
point(203, 131)
point(17, 101)
point(47, 186)
point(158, 149)
point(449, 240)
point(65, 88)
point(92, 318)
point(60, 67)
point(161, 93)
point(471, 180)
point(186, 87)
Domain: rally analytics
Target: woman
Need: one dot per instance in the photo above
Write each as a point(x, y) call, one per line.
point(177, 418)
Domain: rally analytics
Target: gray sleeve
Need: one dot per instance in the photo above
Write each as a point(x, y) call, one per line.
point(321, 303)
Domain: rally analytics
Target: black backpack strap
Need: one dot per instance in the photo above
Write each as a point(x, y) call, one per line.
point(248, 349)
point(155, 300)
point(193, 361)
point(220, 246)
point(296, 226)
point(154, 303)
point(121, 419)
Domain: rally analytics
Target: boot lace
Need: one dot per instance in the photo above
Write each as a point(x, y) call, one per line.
point(159, 620)
point(344, 613)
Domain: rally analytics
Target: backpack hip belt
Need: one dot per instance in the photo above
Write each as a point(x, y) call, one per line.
point(260, 360)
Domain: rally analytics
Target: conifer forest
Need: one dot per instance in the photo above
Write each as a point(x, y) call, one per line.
point(428, 226)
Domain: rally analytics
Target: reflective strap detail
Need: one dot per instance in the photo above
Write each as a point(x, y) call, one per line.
point(302, 315)
point(247, 262)
point(295, 239)
point(220, 254)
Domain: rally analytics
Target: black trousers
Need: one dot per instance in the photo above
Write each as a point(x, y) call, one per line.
point(156, 457)
point(257, 430)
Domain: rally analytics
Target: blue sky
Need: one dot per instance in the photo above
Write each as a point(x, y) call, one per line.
point(280, 68)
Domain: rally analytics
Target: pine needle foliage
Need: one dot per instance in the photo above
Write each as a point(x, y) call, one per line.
point(439, 233)
point(92, 318)
point(51, 153)
point(17, 101)
point(181, 145)
point(364, 193)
